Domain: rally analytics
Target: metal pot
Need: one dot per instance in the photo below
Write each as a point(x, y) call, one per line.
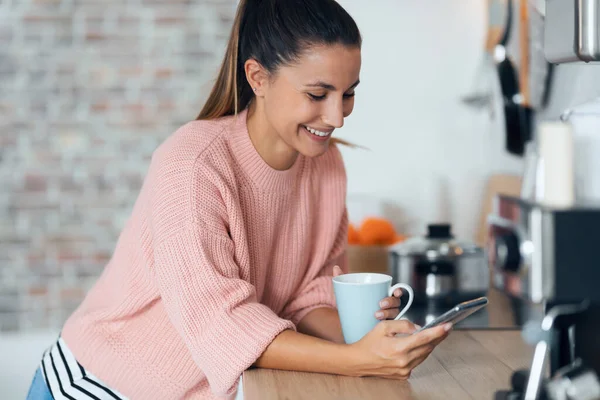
point(438, 267)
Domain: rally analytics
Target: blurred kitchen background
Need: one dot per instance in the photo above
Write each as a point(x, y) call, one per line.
point(89, 88)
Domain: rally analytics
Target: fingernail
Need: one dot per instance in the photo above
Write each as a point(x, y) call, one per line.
point(418, 326)
point(379, 314)
point(448, 326)
point(399, 291)
point(384, 303)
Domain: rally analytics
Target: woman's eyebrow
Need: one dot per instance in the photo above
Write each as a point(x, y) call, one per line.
point(329, 86)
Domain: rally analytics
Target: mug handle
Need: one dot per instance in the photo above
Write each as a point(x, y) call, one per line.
point(411, 295)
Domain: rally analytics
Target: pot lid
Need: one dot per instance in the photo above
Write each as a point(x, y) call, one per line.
point(439, 242)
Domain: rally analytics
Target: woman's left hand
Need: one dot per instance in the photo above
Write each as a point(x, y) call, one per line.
point(390, 306)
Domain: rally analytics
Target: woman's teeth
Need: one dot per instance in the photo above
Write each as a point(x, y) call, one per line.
point(316, 132)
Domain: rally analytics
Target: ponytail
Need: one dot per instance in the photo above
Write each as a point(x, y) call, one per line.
point(225, 96)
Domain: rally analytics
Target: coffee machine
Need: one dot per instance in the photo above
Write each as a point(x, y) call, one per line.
point(550, 256)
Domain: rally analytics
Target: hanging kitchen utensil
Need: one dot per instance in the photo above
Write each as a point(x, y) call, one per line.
point(518, 114)
point(524, 49)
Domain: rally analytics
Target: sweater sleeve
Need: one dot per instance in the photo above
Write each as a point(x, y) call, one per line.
point(215, 312)
point(319, 293)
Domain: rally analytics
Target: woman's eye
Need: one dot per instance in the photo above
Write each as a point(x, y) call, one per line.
point(315, 97)
point(322, 97)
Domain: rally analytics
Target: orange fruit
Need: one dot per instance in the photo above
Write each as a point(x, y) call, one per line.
point(377, 231)
point(353, 235)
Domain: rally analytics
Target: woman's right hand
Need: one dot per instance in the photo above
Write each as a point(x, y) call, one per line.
point(381, 353)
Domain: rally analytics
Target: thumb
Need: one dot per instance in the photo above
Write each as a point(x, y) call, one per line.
point(337, 271)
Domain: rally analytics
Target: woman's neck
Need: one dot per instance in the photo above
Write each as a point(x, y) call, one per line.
point(267, 142)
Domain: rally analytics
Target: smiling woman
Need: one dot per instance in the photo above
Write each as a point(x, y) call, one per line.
point(297, 113)
point(228, 258)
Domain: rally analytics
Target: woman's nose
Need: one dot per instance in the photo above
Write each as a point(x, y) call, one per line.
point(334, 114)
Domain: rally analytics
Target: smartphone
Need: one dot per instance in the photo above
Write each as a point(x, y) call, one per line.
point(457, 313)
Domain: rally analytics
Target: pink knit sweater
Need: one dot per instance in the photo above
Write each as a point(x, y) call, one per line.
point(220, 255)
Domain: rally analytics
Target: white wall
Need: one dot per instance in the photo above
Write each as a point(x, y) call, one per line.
point(574, 84)
point(419, 57)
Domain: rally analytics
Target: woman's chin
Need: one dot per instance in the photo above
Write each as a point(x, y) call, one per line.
point(312, 146)
point(312, 150)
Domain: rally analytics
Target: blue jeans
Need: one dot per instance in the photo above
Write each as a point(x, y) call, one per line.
point(39, 390)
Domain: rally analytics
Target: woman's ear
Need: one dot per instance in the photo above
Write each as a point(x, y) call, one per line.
point(256, 75)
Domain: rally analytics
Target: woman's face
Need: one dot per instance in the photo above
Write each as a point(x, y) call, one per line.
point(304, 102)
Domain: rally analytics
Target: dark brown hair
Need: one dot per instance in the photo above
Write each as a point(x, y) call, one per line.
point(274, 33)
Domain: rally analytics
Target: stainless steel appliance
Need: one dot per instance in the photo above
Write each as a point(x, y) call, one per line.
point(439, 267)
point(550, 256)
point(572, 31)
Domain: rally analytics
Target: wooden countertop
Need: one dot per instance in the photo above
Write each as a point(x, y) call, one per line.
point(467, 365)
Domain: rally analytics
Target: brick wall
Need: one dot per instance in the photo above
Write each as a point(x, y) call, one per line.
point(88, 89)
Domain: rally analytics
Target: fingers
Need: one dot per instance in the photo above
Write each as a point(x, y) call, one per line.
point(337, 271)
point(391, 328)
point(412, 350)
point(422, 351)
point(414, 357)
point(416, 362)
point(428, 336)
point(408, 362)
point(389, 308)
point(387, 314)
point(389, 302)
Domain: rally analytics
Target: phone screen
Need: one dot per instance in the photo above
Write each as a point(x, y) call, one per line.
point(457, 313)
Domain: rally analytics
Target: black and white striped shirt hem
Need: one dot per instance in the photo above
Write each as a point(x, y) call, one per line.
point(67, 379)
